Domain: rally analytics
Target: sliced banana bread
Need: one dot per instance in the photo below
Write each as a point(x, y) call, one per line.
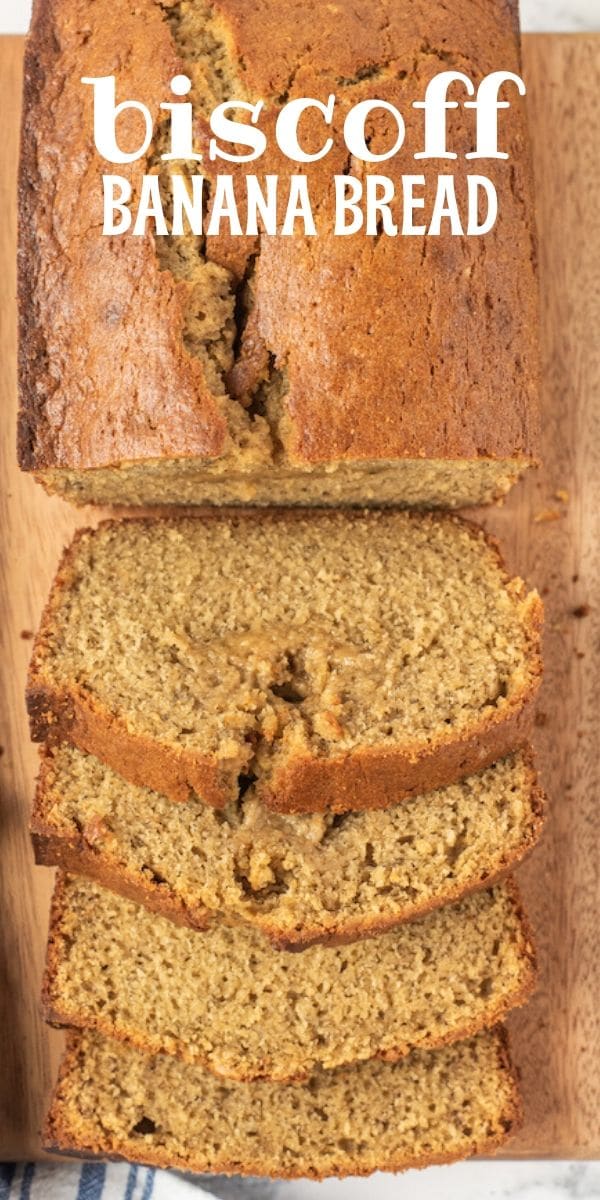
point(299, 878)
point(435, 1106)
point(226, 1000)
point(185, 369)
point(342, 660)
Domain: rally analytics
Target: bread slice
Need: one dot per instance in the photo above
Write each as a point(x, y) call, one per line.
point(299, 878)
point(342, 660)
point(227, 1001)
point(435, 1106)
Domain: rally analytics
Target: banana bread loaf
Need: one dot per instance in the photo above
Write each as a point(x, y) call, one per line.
point(227, 1001)
point(297, 369)
point(435, 1106)
point(299, 878)
point(343, 660)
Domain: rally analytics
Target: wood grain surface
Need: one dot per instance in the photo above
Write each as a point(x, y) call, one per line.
point(550, 530)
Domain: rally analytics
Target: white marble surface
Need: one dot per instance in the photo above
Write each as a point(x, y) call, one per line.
point(465, 1181)
point(468, 1181)
point(547, 15)
point(535, 14)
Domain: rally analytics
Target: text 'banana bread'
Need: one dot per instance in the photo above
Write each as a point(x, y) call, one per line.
point(299, 878)
point(435, 1106)
point(289, 369)
point(342, 661)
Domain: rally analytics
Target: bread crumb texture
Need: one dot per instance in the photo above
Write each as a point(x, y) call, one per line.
point(435, 1106)
point(265, 646)
point(227, 1000)
point(296, 877)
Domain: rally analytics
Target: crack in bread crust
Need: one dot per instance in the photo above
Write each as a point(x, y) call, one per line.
point(305, 760)
point(142, 402)
point(337, 748)
point(343, 881)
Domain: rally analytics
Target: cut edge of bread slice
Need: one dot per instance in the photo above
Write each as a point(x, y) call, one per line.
point(263, 1061)
point(81, 851)
point(143, 1138)
point(369, 776)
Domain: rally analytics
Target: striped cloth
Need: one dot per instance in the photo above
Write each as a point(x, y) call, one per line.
point(95, 1181)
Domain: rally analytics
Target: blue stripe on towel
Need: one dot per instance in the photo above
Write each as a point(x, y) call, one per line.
point(27, 1180)
point(91, 1181)
point(149, 1184)
point(131, 1182)
point(7, 1174)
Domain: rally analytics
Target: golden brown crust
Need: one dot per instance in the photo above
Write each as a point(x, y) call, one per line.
point(79, 857)
point(139, 1040)
point(375, 777)
point(455, 369)
point(368, 777)
point(81, 313)
point(58, 1138)
point(32, 358)
point(74, 716)
point(144, 1040)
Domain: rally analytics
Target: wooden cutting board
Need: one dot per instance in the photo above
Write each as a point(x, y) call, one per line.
point(550, 530)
